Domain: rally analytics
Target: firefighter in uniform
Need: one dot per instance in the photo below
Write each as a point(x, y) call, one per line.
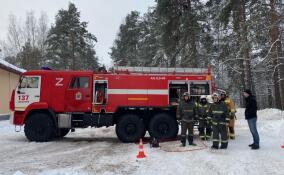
point(187, 111)
point(204, 119)
point(220, 118)
point(232, 113)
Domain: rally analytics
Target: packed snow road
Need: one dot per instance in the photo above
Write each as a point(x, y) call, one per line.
point(98, 151)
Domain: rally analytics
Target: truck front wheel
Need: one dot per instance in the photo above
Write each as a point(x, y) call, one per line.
point(130, 128)
point(40, 127)
point(163, 126)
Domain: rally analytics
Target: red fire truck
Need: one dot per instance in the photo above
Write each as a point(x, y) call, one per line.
point(135, 99)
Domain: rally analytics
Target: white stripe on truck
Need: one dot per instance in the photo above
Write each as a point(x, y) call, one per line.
point(138, 91)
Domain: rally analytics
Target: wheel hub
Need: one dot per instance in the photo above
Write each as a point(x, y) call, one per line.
point(163, 128)
point(130, 128)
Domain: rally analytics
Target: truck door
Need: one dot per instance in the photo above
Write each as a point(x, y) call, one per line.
point(27, 92)
point(79, 94)
point(100, 94)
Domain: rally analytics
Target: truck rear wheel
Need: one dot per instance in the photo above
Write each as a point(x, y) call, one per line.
point(130, 128)
point(39, 127)
point(163, 126)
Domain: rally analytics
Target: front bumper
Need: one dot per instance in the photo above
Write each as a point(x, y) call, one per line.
point(17, 118)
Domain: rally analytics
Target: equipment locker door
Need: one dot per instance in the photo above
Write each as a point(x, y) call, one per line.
point(100, 92)
point(79, 94)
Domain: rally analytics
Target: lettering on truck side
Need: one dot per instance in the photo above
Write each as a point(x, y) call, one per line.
point(59, 81)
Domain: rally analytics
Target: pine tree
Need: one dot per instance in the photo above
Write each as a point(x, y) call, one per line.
point(70, 45)
point(181, 31)
point(125, 52)
point(237, 9)
point(149, 40)
point(29, 57)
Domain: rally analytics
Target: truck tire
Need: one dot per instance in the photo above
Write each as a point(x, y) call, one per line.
point(62, 132)
point(163, 126)
point(40, 127)
point(130, 128)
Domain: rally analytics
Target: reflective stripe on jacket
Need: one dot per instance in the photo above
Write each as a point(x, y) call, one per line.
point(188, 110)
point(219, 112)
point(203, 111)
point(230, 105)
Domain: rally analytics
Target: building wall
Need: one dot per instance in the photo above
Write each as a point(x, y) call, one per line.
point(8, 82)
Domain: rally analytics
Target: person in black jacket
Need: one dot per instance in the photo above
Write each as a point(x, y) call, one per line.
point(251, 117)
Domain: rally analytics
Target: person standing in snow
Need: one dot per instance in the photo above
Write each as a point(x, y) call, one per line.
point(204, 119)
point(251, 117)
point(232, 112)
point(187, 111)
point(218, 111)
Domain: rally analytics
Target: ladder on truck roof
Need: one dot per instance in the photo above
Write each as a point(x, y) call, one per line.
point(162, 70)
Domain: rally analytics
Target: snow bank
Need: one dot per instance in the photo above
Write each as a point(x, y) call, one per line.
point(270, 114)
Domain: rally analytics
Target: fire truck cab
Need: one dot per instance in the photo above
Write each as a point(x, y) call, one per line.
point(51, 103)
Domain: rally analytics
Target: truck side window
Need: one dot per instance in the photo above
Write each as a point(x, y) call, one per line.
point(29, 82)
point(79, 83)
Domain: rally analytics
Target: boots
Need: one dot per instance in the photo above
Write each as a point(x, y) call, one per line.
point(202, 136)
point(183, 140)
point(190, 141)
point(250, 145)
point(255, 146)
point(224, 145)
point(231, 133)
point(201, 133)
point(208, 134)
point(214, 147)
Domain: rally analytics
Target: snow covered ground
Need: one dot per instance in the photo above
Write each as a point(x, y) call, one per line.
point(98, 151)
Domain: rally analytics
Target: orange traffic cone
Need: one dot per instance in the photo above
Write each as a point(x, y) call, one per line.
point(141, 154)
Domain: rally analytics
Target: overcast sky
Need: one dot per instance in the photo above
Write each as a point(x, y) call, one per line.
point(104, 16)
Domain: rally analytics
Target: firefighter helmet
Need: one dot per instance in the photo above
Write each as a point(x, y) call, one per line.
point(222, 92)
point(203, 96)
point(215, 95)
point(186, 94)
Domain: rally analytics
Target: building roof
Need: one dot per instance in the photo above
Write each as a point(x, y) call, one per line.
point(10, 67)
